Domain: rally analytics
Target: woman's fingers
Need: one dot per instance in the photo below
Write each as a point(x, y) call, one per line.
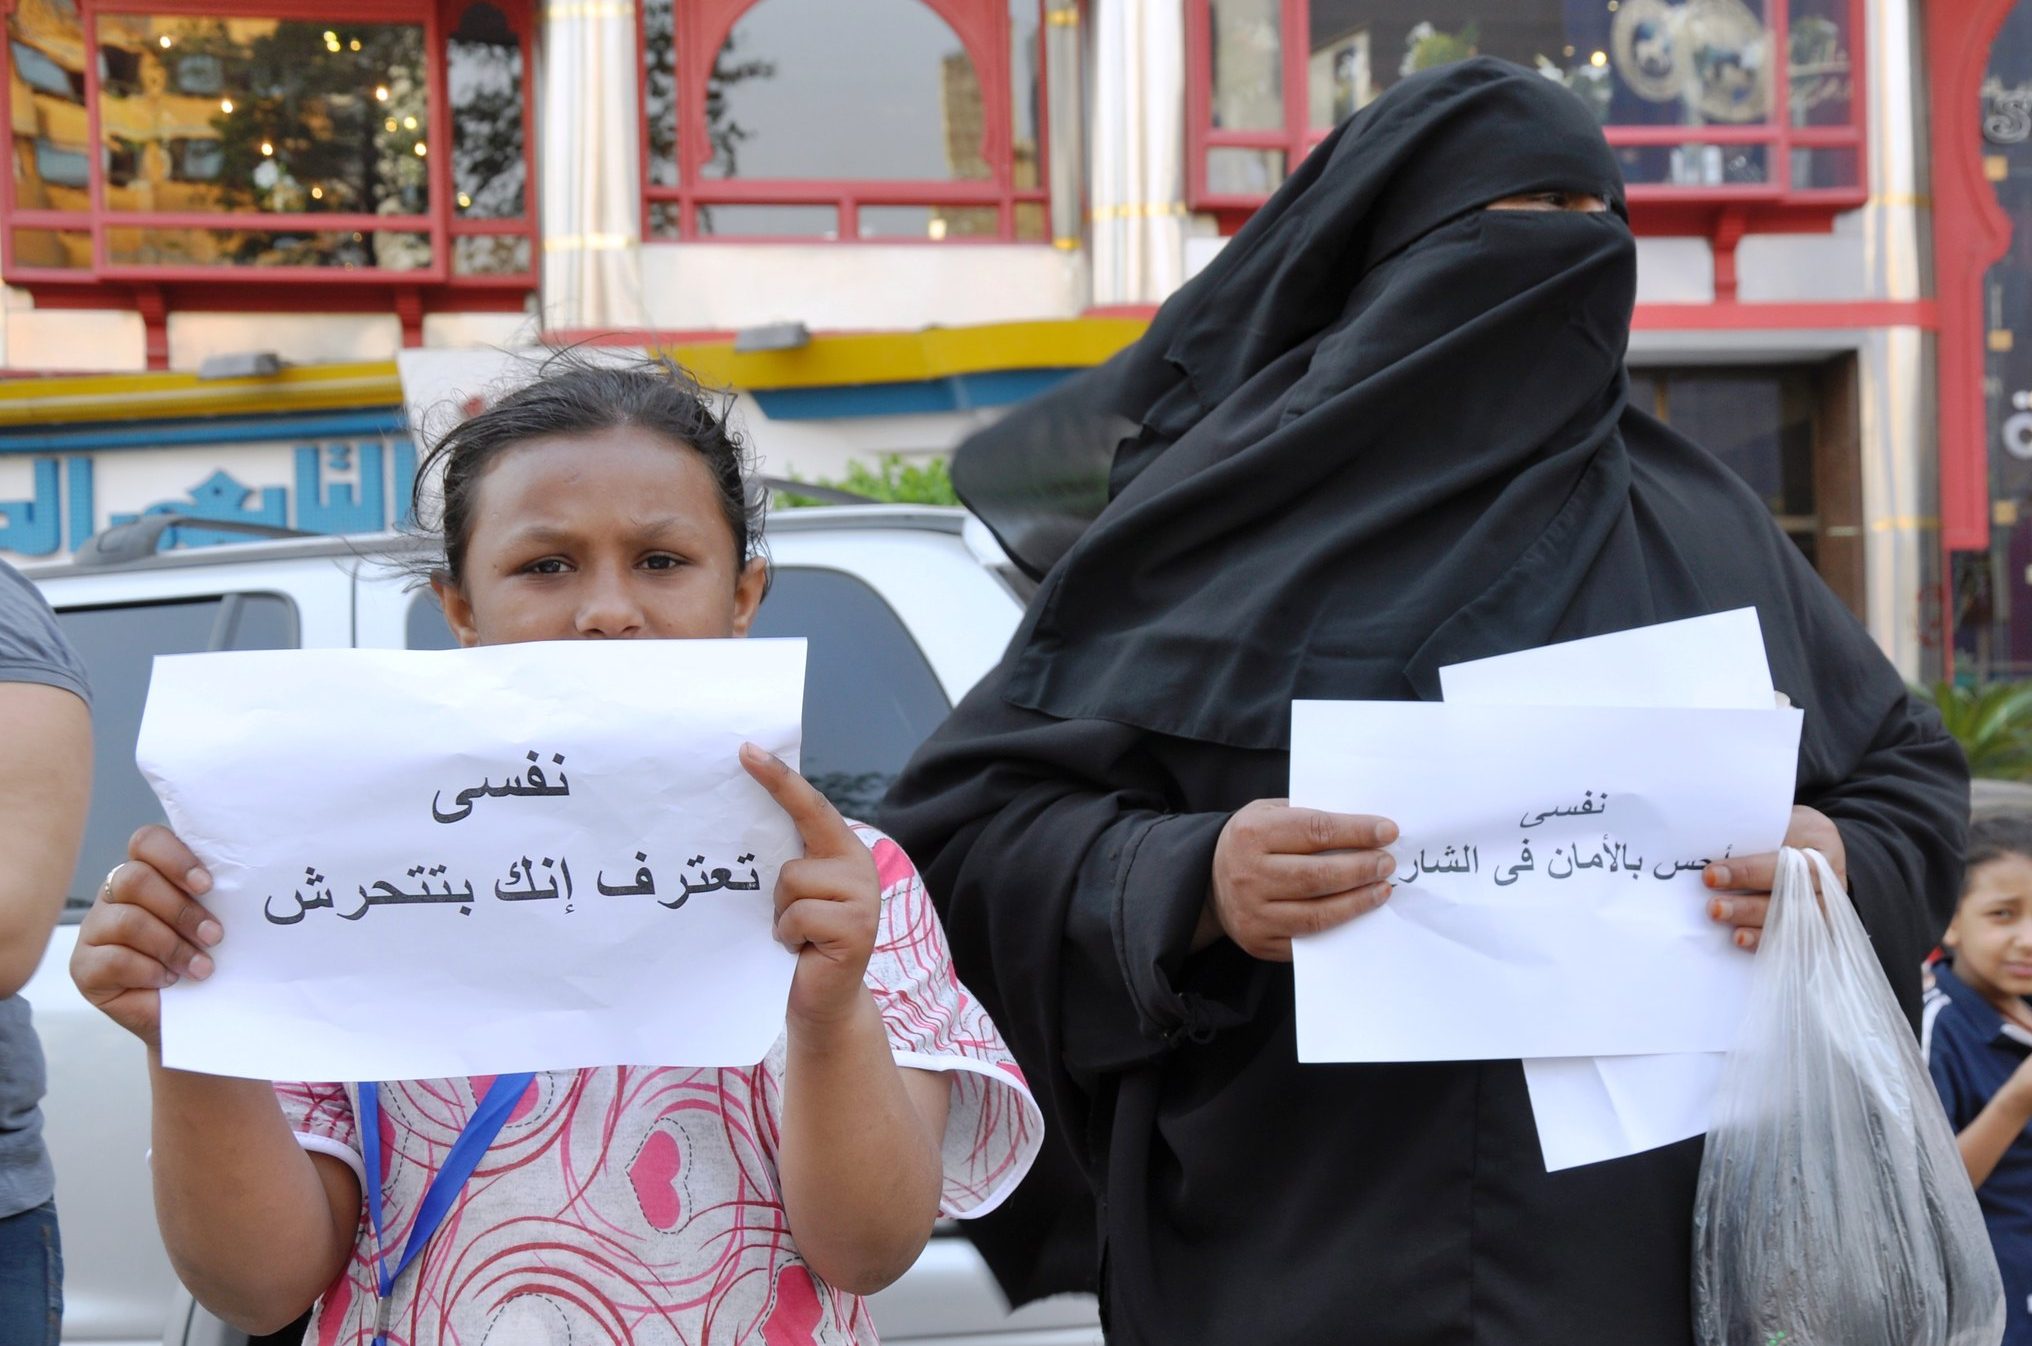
point(1281, 872)
point(1269, 827)
point(1289, 878)
point(1808, 829)
point(1743, 873)
point(1267, 932)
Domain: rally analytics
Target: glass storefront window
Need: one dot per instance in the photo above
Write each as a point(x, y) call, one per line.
point(1770, 426)
point(1993, 590)
point(263, 115)
point(777, 136)
point(52, 135)
point(1696, 164)
point(254, 142)
point(1026, 96)
point(1643, 67)
point(483, 76)
point(347, 250)
point(1639, 63)
point(1820, 65)
point(1248, 65)
point(782, 87)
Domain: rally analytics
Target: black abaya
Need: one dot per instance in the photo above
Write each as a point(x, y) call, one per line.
point(1387, 435)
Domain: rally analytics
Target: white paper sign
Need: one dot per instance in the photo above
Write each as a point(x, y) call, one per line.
point(1593, 1108)
point(1714, 663)
point(521, 857)
point(1549, 899)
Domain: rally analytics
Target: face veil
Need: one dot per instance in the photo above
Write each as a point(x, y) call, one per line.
point(1377, 399)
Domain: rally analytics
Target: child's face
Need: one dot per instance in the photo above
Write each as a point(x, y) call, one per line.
point(613, 535)
point(1991, 934)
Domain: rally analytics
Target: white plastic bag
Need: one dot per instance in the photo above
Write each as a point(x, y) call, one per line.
point(1833, 1208)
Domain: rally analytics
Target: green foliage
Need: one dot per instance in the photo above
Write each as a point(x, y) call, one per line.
point(892, 482)
point(1992, 722)
point(1427, 47)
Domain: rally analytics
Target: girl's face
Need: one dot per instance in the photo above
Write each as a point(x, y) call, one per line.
point(612, 535)
point(1991, 935)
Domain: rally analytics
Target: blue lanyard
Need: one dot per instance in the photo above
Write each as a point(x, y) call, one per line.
point(466, 1153)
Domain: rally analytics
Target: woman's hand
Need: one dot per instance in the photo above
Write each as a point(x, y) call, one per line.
point(145, 931)
point(1281, 871)
point(1743, 884)
point(828, 904)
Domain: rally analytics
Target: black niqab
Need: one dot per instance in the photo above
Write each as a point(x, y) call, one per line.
point(1383, 432)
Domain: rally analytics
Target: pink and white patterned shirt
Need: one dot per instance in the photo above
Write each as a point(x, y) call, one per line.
point(640, 1204)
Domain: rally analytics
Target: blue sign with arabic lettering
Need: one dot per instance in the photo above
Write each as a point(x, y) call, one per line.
point(358, 483)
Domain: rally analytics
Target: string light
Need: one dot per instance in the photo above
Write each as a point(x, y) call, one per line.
point(409, 123)
point(225, 105)
point(355, 43)
point(331, 36)
point(390, 124)
point(165, 40)
point(465, 202)
point(380, 93)
point(267, 149)
point(420, 150)
point(1599, 59)
point(317, 193)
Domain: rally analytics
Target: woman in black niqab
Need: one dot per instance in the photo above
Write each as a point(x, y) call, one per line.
point(1384, 431)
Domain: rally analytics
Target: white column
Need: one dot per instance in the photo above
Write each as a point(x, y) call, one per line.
point(1138, 185)
point(590, 167)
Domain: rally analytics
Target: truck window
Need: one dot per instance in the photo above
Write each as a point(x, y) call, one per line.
point(869, 696)
point(118, 644)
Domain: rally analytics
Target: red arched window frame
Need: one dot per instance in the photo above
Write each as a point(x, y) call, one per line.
point(1724, 213)
point(702, 27)
point(157, 290)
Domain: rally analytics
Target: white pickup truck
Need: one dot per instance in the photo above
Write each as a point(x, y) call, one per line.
point(905, 608)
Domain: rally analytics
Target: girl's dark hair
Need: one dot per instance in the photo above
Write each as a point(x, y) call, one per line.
point(573, 394)
point(1995, 837)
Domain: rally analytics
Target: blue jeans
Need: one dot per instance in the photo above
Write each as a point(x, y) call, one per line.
point(31, 1278)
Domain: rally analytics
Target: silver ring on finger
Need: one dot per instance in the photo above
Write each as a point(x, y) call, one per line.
point(106, 888)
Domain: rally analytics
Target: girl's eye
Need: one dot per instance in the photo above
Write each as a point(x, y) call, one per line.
point(661, 561)
point(549, 565)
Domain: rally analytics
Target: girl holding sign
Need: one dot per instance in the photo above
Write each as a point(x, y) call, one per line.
point(615, 1204)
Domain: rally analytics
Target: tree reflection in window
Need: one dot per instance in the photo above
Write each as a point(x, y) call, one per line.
point(264, 117)
point(484, 84)
point(723, 134)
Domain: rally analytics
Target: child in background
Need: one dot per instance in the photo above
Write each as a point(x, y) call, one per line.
point(1977, 1036)
point(613, 1205)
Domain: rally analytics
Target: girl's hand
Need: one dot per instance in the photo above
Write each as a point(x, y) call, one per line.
point(1744, 884)
point(1280, 872)
point(828, 904)
point(145, 931)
